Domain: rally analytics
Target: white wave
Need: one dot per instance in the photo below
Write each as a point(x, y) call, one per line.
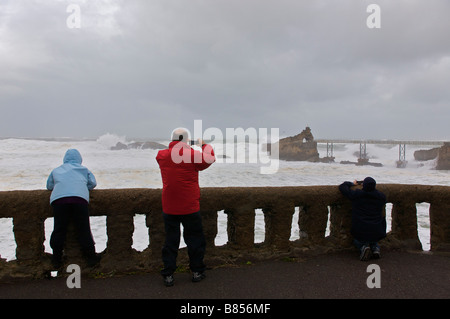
point(109, 140)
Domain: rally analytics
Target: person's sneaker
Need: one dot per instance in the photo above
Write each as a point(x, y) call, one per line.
point(366, 253)
point(198, 276)
point(376, 253)
point(168, 280)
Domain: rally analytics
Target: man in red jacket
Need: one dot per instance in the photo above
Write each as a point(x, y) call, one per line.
point(179, 165)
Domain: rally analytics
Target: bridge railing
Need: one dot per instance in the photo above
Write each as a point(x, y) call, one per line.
point(30, 209)
point(384, 142)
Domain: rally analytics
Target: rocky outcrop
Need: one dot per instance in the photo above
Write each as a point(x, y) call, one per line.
point(443, 161)
point(300, 147)
point(426, 155)
point(138, 145)
point(361, 162)
point(442, 154)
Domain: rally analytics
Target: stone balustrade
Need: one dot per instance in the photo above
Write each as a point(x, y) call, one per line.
point(317, 204)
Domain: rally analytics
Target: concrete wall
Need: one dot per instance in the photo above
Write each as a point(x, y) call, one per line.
point(29, 209)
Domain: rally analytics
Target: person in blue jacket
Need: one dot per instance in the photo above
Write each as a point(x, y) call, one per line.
point(70, 184)
point(368, 218)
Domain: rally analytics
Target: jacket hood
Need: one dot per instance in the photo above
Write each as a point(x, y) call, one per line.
point(369, 184)
point(73, 156)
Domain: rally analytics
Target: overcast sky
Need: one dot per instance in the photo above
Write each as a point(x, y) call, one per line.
point(142, 67)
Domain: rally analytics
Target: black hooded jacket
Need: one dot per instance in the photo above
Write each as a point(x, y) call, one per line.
point(368, 220)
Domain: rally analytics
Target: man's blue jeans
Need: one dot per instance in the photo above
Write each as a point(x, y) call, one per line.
point(193, 237)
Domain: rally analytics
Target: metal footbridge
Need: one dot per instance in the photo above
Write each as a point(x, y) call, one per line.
point(363, 147)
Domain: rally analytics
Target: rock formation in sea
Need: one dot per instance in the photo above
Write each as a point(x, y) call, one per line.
point(443, 161)
point(138, 145)
point(426, 155)
point(300, 147)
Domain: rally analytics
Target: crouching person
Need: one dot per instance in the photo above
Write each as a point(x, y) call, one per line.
point(70, 184)
point(368, 218)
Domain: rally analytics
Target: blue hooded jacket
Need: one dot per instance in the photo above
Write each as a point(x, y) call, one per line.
point(71, 178)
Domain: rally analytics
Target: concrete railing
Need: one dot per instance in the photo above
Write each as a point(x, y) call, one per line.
point(29, 209)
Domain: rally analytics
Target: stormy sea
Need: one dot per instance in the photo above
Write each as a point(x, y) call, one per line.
point(25, 164)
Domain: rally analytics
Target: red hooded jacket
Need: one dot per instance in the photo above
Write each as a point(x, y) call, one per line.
point(179, 166)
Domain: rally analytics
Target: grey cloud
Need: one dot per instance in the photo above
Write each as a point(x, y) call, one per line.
point(137, 67)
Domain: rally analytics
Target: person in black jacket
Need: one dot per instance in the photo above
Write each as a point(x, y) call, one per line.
point(368, 218)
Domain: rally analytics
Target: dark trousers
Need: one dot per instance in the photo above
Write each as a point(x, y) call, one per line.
point(193, 237)
point(79, 215)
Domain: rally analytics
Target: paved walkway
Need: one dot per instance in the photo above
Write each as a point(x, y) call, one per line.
point(337, 275)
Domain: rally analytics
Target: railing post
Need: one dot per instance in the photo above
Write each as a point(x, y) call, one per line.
point(404, 224)
point(241, 227)
point(313, 222)
point(119, 229)
point(29, 235)
point(209, 223)
point(278, 220)
point(440, 225)
point(341, 223)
